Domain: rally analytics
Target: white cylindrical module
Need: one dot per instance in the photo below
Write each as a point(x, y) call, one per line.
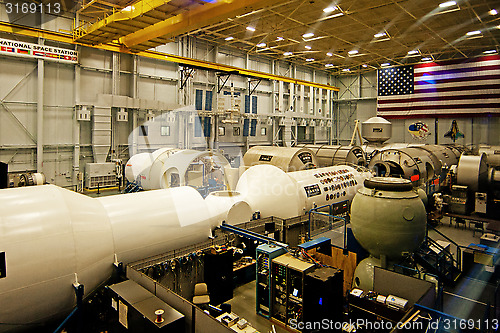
point(328, 155)
point(228, 206)
point(53, 237)
point(136, 164)
point(388, 217)
point(269, 190)
point(329, 185)
point(174, 167)
point(472, 171)
point(273, 192)
point(285, 158)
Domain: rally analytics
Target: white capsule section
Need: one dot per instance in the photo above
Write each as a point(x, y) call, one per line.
point(228, 206)
point(273, 192)
point(53, 237)
point(147, 223)
point(269, 190)
point(329, 185)
point(49, 235)
point(137, 164)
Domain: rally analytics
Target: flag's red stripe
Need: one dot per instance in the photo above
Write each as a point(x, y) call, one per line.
point(458, 61)
point(438, 115)
point(460, 88)
point(437, 98)
point(443, 107)
point(458, 70)
point(459, 79)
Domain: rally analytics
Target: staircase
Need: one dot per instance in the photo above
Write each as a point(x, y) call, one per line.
point(437, 260)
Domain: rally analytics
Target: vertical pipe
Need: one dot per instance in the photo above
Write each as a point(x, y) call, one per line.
point(39, 113)
point(436, 131)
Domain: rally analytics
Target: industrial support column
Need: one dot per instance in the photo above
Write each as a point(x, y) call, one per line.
point(133, 88)
point(39, 112)
point(76, 124)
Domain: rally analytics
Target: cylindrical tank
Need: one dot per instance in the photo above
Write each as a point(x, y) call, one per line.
point(444, 154)
point(53, 237)
point(228, 206)
point(387, 217)
point(285, 158)
point(472, 171)
point(328, 155)
point(376, 129)
point(273, 192)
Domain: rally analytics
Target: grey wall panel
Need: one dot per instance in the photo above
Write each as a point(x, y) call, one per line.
point(13, 121)
point(95, 58)
point(59, 84)
point(93, 83)
point(13, 71)
point(57, 125)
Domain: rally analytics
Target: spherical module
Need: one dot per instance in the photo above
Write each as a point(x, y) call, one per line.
point(388, 217)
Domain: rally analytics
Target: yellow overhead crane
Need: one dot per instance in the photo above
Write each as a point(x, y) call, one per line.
point(149, 23)
point(183, 61)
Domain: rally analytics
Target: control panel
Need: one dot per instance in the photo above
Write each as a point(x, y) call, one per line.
point(265, 253)
point(335, 183)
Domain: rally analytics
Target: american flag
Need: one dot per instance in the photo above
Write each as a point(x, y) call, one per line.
point(454, 88)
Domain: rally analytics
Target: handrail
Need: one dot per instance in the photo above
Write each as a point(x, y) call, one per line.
point(330, 217)
point(459, 247)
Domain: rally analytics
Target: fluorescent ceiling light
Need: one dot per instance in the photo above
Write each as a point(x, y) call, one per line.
point(385, 64)
point(447, 4)
point(346, 70)
point(426, 59)
point(380, 34)
point(413, 52)
point(287, 54)
point(127, 9)
point(329, 65)
point(310, 59)
point(353, 52)
point(364, 65)
point(279, 39)
point(229, 38)
point(308, 47)
point(251, 29)
point(261, 45)
point(473, 33)
point(490, 51)
point(493, 12)
point(330, 9)
point(308, 35)
point(498, 26)
point(329, 54)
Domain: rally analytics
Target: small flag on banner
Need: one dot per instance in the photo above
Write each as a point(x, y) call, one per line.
point(23, 51)
point(38, 53)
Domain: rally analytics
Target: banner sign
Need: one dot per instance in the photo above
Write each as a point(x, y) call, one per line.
point(29, 50)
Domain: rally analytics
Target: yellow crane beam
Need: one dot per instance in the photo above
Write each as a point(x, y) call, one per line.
point(124, 15)
point(206, 65)
point(198, 17)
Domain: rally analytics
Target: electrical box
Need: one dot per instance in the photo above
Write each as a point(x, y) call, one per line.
point(480, 203)
point(265, 254)
point(287, 288)
point(100, 175)
point(323, 295)
point(459, 203)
